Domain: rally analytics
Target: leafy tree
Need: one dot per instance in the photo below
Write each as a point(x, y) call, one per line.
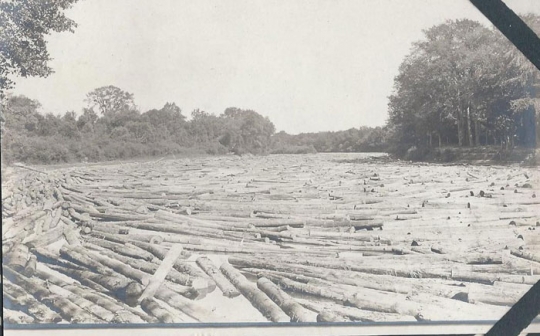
point(110, 100)
point(23, 27)
point(246, 131)
point(87, 121)
point(465, 83)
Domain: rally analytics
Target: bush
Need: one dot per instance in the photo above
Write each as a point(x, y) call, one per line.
point(415, 153)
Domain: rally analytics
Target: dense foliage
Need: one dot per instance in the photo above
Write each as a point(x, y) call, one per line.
point(111, 127)
point(363, 139)
point(23, 27)
point(464, 85)
point(118, 130)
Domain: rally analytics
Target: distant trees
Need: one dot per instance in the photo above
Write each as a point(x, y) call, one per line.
point(464, 84)
point(363, 139)
point(119, 130)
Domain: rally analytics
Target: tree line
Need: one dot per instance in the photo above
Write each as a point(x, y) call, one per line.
point(112, 127)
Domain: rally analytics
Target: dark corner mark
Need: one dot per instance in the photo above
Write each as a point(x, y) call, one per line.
point(520, 315)
point(512, 27)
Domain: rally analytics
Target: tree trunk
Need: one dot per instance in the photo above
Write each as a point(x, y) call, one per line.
point(460, 127)
point(476, 133)
point(439, 136)
point(469, 127)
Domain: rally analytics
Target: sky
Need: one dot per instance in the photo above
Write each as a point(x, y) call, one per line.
point(317, 65)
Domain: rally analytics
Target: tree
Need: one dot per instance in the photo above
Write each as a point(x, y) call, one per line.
point(246, 131)
point(23, 27)
point(465, 83)
point(110, 100)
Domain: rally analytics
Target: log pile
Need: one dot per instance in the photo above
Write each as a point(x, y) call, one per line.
point(288, 238)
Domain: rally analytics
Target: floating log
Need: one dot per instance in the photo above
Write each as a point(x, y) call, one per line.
point(296, 312)
point(16, 317)
point(35, 308)
point(257, 298)
point(129, 251)
point(224, 285)
point(81, 257)
point(526, 255)
point(123, 313)
point(330, 316)
point(158, 277)
point(148, 267)
point(30, 267)
point(17, 257)
point(355, 314)
point(65, 307)
point(306, 288)
point(153, 308)
point(187, 306)
point(96, 310)
point(122, 287)
point(492, 296)
point(51, 236)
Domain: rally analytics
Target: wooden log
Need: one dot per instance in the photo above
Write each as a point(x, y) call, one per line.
point(257, 298)
point(72, 236)
point(80, 256)
point(330, 316)
point(123, 313)
point(36, 309)
point(147, 267)
point(67, 309)
point(123, 288)
point(492, 296)
point(488, 279)
point(397, 305)
point(50, 257)
point(306, 288)
point(477, 259)
point(153, 308)
point(535, 257)
point(51, 236)
point(159, 276)
point(355, 314)
point(119, 268)
point(129, 251)
point(16, 317)
point(296, 312)
point(89, 306)
point(342, 265)
point(30, 267)
point(224, 285)
point(96, 226)
point(17, 257)
point(187, 306)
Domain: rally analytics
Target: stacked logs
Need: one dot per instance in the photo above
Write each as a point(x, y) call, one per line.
point(292, 238)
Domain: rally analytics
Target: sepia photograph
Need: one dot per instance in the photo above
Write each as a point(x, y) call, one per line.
point(190, 164)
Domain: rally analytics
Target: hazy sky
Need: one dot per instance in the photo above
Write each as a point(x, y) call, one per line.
point(309, 66)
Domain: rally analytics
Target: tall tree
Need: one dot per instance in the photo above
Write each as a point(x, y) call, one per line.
point(110, 100)
point(23, 27)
